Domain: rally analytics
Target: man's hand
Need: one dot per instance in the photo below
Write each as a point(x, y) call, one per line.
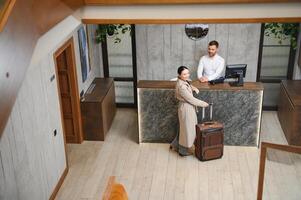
point(203, 79)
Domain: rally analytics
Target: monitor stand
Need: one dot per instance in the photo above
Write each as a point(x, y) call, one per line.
point(239, 82)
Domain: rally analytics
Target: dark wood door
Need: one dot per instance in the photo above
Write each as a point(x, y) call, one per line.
point(69, 96)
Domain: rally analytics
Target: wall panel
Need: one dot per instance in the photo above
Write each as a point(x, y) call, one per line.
point(239, 43)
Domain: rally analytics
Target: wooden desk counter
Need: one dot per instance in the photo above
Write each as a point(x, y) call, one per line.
point(239, 108)
point(98, 108)
point(199, 85)
point(289, 110)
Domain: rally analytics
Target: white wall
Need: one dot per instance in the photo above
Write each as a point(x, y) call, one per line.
point(95, 51)
point(297, 68)
point(161, 49)
point(32, 159)
point(95, 60)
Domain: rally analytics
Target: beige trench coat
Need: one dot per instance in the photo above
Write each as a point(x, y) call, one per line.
point(187, 112)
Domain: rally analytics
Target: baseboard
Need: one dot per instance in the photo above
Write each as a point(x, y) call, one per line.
point(59, 184)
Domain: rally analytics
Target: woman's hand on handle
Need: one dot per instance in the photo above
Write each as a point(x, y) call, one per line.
point(196, 90)
point(205, 104)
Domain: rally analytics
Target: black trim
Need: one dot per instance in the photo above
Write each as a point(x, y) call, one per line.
point(133, 79)
point(270, 108)
point(134, 57)
point(291, 63)
point(124, 79)
point(274, 79)
point(105, 59)
point(126, 105)
point(276, 45)
point(271, 80)
point(260, 53)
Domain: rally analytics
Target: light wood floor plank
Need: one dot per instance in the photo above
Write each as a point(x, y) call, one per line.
point(152, 171)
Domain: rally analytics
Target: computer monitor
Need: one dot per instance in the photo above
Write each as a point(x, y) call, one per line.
point(236, 71)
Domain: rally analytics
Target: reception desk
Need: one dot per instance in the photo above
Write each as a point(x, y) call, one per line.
point(238, 108)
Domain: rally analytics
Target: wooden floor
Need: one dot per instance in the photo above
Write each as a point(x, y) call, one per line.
point(152, 171)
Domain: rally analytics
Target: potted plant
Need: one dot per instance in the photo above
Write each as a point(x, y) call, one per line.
point(283, 31)
point(111, 30)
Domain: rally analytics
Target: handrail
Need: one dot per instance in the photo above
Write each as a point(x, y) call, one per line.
point(5, 12)
point(114, 191)
point(263, 152)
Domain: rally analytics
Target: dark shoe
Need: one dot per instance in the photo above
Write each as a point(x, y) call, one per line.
point(186, 154)
point(173, 148)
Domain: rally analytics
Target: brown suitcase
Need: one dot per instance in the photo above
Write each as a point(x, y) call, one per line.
point(209, 143)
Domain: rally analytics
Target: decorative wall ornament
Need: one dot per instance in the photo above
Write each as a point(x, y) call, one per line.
point(196, 31)
point(83, 51)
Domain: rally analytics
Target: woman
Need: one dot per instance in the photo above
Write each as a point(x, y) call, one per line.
point(186, 112)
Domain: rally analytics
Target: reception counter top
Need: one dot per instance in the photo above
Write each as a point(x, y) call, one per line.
point(197, 84)
point(238, 108)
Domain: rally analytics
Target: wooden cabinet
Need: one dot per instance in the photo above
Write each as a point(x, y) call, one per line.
point(98, 109)
point(289, 110)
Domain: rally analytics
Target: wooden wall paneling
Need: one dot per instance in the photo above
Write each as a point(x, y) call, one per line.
point(22, 167)
point(243, 47)
point(253, 31)
point(221, 35)
point(176, 50)
point(34, 97)
point(188, 51)
point(40, 126)
point(52, 121)
point(142, 59)
point(133, 2)
point(35, 189)
point(59, 140)
point(155, 52)
point(237, 39)
point(212, 32)
point(167, 49)
point(46, 137)
point(55, 120)
point(7, 175)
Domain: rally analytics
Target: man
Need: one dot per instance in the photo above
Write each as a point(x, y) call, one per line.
point(211, 66)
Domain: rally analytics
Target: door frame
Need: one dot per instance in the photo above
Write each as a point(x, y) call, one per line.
point(106, 68)
point(72, 70)
point(290, 67)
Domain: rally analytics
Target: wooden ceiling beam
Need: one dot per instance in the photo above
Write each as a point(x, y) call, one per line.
point(170, 2)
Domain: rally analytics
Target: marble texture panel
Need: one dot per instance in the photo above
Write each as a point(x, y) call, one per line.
point(239, 111)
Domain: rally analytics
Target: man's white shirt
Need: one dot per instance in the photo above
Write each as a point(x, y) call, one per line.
point(211, 67)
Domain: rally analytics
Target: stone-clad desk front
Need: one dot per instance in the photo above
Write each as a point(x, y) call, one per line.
point(238, 108)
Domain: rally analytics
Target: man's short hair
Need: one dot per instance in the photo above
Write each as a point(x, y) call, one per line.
point(213, 42)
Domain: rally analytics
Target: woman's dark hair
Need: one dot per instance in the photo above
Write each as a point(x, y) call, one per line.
point(180, 69)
